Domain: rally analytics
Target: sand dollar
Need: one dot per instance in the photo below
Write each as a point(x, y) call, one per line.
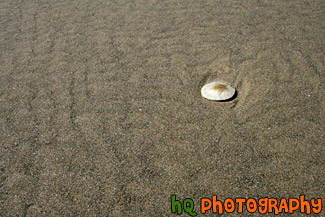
point(218, 91)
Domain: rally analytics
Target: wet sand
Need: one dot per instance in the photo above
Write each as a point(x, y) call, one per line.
point(101, 112)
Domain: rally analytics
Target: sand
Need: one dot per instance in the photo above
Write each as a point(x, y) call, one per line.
point(101, 112)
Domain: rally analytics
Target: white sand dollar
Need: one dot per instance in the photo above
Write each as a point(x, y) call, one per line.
point(217, 91)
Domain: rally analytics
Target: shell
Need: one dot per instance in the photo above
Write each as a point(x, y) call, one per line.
point(218, 91)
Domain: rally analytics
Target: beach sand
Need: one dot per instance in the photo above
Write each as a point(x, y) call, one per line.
point(101, 112)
